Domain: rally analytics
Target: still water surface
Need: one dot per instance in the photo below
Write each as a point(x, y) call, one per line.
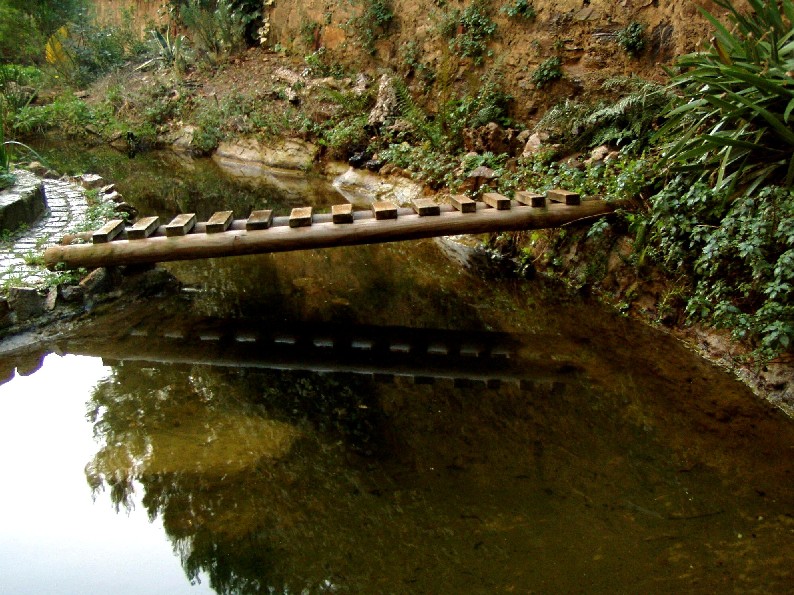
point(375, 420)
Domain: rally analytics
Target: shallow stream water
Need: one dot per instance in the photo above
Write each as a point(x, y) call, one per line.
point(376, 420)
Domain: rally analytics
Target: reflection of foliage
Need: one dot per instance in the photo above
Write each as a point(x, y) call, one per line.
point(209, 459)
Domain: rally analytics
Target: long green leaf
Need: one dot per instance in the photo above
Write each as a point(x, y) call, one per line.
point(720, 140)
point(788, 111)
point(782, 130)
point(763, 83)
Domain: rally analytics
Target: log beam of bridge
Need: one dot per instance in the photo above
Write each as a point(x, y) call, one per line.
point(322, 233)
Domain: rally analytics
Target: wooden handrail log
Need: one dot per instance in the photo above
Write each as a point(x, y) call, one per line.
point(282, 238)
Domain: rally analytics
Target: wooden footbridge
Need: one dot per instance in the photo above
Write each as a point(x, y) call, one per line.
point(183, 238)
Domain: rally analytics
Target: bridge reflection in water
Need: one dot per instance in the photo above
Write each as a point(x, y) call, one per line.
point(418, 355)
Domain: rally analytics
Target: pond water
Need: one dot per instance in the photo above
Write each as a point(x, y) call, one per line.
point(376, 420)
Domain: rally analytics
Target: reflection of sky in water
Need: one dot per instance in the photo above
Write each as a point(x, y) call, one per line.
point(54, 538)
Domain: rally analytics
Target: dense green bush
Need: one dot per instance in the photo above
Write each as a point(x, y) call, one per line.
point(217, 29)
point(739, 253)
point(469, 30)
point(734, 121)
point(632, 38)
point(443, 131)
point(66, 114)
point(628, 119)
point(547, 71)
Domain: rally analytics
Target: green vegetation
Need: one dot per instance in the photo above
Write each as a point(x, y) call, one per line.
point(739, 252)
point(632, 38)
point(6, 177)
point(547, 71)
point(627, 120)
point(723, 218)
point(468, 31)
point(711, 156)
point(374, 22)
point(520, 9)
point(218, 30)
point(734, 122)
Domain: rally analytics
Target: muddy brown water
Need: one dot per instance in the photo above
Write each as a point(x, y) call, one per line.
point(376, 420)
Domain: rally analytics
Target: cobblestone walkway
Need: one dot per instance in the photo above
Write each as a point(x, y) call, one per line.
point(66, 206)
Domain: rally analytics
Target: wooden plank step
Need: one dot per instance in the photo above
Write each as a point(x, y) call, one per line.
point(219, 222)
point(496, 201)
point(261, 219)
point(108, 231)
point(463, 203)
point(566, 196)
point(342, 213)
point(143, 228)
point(384, 210)
point(533, 199)
point(425, 207)
point(181, 225)
point(300, 217)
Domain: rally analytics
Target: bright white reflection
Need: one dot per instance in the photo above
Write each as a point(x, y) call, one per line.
point(53, 537)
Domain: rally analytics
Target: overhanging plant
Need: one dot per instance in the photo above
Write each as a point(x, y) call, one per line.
point(733, 122)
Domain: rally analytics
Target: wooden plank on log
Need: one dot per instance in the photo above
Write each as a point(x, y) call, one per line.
point(108, 231)
point(219, 222)
point(384, 210)
point(237, 242)
point(425, 207)
point(533, 199)
point(566, 196)
point(342, 213)
point(300, 217)
point(261, 219)
point(463, 203)
point(181, 225)
point(497, 201)
point(143, 228)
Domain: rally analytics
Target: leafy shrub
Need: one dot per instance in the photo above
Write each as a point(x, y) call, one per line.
point(520, 9)
point(740, 254)
point(66, 114)
point(218, 30)
point(470, 30)
point(444, 130)
point(428, 165)
point(7, 179)
point(632, 38)
point(171, 51)
point(547, 71)
point(373, 23)
point(734, 121)
point(411, 54)
point(318, 64)
point(627, 120)
point(347, 137)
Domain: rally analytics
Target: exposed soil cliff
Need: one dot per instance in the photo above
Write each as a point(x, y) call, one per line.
point(583, 33)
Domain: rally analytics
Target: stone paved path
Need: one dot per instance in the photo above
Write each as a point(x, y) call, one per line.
point(66, 207)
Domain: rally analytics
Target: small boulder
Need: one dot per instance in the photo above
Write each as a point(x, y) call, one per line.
point(97, 281)
point(597, 155)
point(91, 181)
point(26, 302)
point(71, 293)
point(535, 144)
point(477, 178)
point(387, 105)
point(37, 168)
